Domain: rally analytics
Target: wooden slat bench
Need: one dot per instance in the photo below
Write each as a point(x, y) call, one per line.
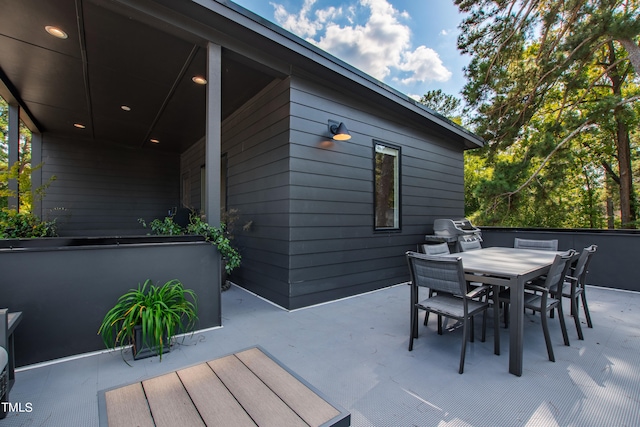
point(248, 388)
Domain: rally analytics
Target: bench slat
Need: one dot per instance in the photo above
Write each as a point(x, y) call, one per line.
point(127, 406)
point(170, 403)
point(304, 401)
point(216, 405)
point(256, 398)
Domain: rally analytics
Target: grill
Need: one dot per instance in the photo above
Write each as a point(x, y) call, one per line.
point(452, 231)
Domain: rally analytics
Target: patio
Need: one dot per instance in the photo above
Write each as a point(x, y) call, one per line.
point(355, 352)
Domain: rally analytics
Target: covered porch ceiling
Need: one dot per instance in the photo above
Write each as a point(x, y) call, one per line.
point(126, 81)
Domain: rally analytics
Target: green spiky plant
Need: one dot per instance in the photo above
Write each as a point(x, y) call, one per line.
point(160, 311)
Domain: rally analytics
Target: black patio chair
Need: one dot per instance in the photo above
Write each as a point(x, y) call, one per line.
point(436, 249)
point(433, 249)
point(451, 298)
point(574, 288)
point(543, 245)
point(466, 246)
point(538, 297)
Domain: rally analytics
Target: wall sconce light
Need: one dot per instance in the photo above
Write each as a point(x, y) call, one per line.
point(339, 131)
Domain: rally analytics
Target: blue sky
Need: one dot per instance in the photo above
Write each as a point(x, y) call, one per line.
point(408, 44)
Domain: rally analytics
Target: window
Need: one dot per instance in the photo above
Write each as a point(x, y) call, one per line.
point(186, 190)
point(387, 187)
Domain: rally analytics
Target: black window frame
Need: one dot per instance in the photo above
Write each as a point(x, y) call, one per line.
point(398, 176)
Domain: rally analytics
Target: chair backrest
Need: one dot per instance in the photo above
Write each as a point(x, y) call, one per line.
point(581, 268)
point(469, 246)
point(543, 245)
point(441, 274)
point(437, 249)
point(559, 269)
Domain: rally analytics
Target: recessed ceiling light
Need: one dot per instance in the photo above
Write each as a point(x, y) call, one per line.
point(79, 125)
point(155, 141)
point(125, 108)
point(199, 80)
point(56, 32)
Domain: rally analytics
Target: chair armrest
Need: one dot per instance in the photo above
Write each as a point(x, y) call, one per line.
point(478, 291)
point(537, 288)
point(4, 358)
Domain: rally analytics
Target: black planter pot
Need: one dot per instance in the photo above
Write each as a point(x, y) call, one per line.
point(141, 350)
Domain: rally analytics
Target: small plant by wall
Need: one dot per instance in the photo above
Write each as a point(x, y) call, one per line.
point(215, 235)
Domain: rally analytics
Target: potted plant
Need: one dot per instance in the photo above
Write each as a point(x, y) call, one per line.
point(148, 317)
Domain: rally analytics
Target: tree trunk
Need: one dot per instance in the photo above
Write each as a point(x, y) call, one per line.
point(633, 52)
point(627, 214)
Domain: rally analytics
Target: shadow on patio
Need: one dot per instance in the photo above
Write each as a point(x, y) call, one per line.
point(355, 352)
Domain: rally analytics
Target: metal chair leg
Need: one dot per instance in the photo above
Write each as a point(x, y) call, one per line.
point(547, 338)
point(563, 325)
point(586, 309)
point(576, 317)
point(463, 350)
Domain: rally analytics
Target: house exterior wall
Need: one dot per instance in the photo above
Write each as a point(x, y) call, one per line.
point(255, 140)
point(311, 199)
point(334, 250)
point(102, 191)
point(255, 144)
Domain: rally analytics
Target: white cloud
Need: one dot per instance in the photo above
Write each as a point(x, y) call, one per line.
point(379, 45)
point(298, 24)
point(424, 64)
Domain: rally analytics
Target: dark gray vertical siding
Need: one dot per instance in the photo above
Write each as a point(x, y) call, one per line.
point(255, 139)
point(102, 191)
point(334, 249)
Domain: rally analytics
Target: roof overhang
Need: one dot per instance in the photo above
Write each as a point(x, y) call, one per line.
point(143, 53)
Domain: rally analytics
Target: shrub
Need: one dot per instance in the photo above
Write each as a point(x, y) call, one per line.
point(15, 225)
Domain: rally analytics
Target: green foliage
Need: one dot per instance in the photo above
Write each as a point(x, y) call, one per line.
point(551, 88)
point(20, 222)
point(217, 236)
point(163, 227)
point(14, 225)
point(161, 312)
point(447, 105)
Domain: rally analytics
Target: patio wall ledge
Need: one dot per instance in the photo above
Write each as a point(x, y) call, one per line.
point(613, 265)
point(64, 286)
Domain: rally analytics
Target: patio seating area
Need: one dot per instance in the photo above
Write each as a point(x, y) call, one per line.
point(354, 351)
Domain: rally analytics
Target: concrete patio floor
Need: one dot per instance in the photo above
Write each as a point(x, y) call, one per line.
point(355, 352)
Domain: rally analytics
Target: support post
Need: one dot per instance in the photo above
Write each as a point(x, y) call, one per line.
point(213, 133)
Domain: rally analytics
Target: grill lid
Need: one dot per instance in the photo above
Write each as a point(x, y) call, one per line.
point(454, 227)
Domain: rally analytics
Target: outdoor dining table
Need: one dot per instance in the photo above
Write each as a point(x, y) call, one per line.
point(502, 266)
